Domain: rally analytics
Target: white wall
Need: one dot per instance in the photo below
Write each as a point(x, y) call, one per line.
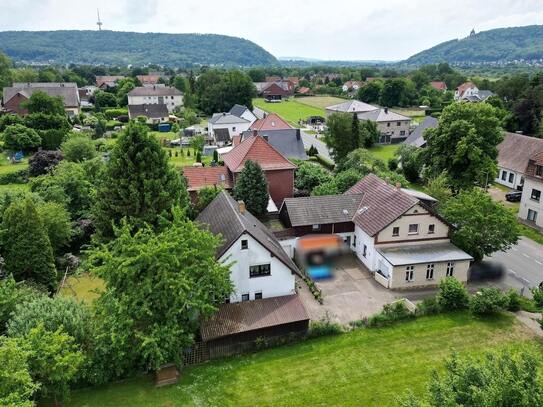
point(235, 129)
point(517, 179)
point(362, 239)
point(280, 282)
point(527, 203)
point(170, 101)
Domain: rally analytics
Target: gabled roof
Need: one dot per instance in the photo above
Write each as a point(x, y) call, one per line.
point(256, 149)
point(438, 85)
point(382, 115)
point(152, 111)
point(155, 91)
point(238, 110)
point(199, 177)
point(352, 106)
point(317, 210)
point(462, 88)
point(271, 121)
point(516, 149)
point(416, 137)
point(223, 217)
point(226, 118)
point(108, 79)
point(380, 205)
point(68, 91)
point(288, 142)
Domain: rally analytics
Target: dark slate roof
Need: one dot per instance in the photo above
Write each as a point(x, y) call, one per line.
point(247, 316)
point(223, 218)
point(238, 110)
point(152, 111)
point(68, 91)
point(222, 135)
point(416, 137)
point(288, 141)
point(321, 210)
point(155, 91)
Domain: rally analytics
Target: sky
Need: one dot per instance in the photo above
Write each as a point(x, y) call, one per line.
point(322, 29)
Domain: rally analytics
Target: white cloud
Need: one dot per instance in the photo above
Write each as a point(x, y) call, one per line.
point(348, 29)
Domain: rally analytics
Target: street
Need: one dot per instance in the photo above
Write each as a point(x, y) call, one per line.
point(310, 139)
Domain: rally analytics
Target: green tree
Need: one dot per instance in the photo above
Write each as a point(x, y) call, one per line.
point(41, 102)
point(43, 161)
point(498, 379)
point(452, 295)
point(5, 72)
point(371, 92)
point(158, 287)
point(464, 144)
point(328, 188)
point(8, 120)
point(124, 86)
point(439, 188)
point(346, 179)
point(78, 148)
point(252, 188)
point(16, 386)
point(197, 143)
point(411, 163)
point(104, 100)
point(339, 135)
point(369, 134)
point(309, 175)
point(205, 196)
point(482, 226)
point(27, 250)
point(137, 183)
point(18, 137)
point(57, 223)
point(13, 294)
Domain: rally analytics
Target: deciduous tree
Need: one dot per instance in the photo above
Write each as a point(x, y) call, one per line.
point(20, 138)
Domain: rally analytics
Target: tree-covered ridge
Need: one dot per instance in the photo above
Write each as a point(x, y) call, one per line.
point(88, 47)
point(500, 45)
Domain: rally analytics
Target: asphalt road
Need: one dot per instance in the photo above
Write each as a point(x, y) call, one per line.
point(310, 139)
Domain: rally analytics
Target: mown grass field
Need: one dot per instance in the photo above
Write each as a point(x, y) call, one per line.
point(384, 151)
point(83, 287)
point(320, 101)
point(366, 367)
point(291, 110)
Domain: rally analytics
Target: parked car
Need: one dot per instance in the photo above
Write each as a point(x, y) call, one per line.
point(513, 196)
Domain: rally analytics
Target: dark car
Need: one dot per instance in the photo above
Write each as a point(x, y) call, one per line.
point(513, 196)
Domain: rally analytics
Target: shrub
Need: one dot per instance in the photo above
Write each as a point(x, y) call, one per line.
point(514, 300)
point(428, 306)
point(78, 148)
point(324, 327)
point(51, 139)
point(115, 113)
point(488, 301)
point(537, 293)
point(15, 177)
point(43, 162)
point(452, 295)
point(18, 137)
point(392, 164)
point(397, 311)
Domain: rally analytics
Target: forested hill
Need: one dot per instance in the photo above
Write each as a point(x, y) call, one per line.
point(499, 46)
point(122, 48)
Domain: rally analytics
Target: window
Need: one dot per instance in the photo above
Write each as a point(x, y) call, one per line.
point(388, 124)
point(396, 231)
point(536, 195)
point(316, 227)
point(364, 250)
point(539, 170)
point(398, 124)
point(511, 177)
point(402, 132)
point(244, 244)
point(409, 271)
point(450, 269)
point(260, 270)
point(413, 229)
point(227, 300)
point(234, 128)
point(258, 296)
point(532, 215)
point(431, 229)
point(504, 175)
point(244, 297)
point(430, 271)
point(354, 241)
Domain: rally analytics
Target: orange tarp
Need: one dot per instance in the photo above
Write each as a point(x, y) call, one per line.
point(319, 242)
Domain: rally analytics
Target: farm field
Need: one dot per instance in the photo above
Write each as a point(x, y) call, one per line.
point(290, 110)
point(320, 101)
point(366, 367)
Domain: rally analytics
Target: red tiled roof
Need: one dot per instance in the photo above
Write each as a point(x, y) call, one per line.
point(150, 79)
point(199, 177)
point(247, 316)
point(256, 149)
point(462, 88)
point(380, 205)
point(438, 85)
point(272, 121)
point(303, 90)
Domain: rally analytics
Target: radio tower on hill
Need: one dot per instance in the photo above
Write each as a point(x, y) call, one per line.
point(99, 23)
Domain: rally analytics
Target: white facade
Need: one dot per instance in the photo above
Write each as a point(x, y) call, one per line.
point(171, 101)
point(531, 203)
point(471, 91)
point(235, 129)
point(508, 178)
point(280, 281)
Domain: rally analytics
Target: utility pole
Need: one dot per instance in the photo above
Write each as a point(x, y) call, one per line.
point(99, 23)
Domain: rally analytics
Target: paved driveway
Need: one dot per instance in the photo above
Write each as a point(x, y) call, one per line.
point(351, 295)
point(322, 148)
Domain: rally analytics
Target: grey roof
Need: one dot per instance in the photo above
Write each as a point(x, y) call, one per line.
point(382, 115)
point(420, 195)
point(155, 91)
point(152, 111)
point(238, 110)
point(427, 253)
point(321, 210)
point(222, 135)
point(416, 137)
point(259, 113)
point(484, 94)
point(287, 141)
point(352, 106)
point(516, 149)
point(66, 90)
point(223, 217)
point(226, 118)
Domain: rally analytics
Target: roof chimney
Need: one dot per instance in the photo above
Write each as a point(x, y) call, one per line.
point(255, 133)
point(398, 185)
point(298, 134)
point(241, 207)
point(386, 110)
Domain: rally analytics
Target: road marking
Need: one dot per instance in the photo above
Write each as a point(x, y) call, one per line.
point(526, 280)
point(525, 255)
point(513, 272)
point(538, 262)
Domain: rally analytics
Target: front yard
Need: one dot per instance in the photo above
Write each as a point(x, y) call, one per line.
point(366, 367)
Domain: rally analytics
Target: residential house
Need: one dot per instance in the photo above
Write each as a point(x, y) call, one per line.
point(395, 232)
point(264, 302)
point(416, 138)
point(439, 85)
point(201, 177)
point(14, 96)
point(351, 106)
point(514, 152)
point(351, 86)
point(148, 79)
point(393, 127)
point(154, 113)
point(271, 121)
point(531, 204)
point(294, 80)
point(107, 81)
point(162, 95)
point(222, 137)
point(469, 92)
point(275, 90)
point(244, 112)
point(235, 125)
point(287, 141)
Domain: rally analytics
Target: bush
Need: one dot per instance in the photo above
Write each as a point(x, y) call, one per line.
point(514, 301)
point(452, 295)
point(397, 311)
point(115, 113)
point(18, 137)
point(392, 164)
point(324, 327)
point(488, 301)
point(428, 306)
point(15, 177)
point(43, 162)
point(537, 293)
point(78, 148)
point(51, 139)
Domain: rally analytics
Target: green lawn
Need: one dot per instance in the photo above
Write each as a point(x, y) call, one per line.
point(320, 101)
point(362, 368)
point(83, 287)
point(6, 166)
point(290, 109)
point(183, 160)
point(384, 152)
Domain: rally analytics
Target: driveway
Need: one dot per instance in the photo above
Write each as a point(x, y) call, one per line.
point(322, 148)
point(351, 295)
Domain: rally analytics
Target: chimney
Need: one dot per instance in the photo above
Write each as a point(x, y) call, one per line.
point(386, 110)
point(255, 133)
point(297, 134)
point(241, 207)
point(398, 185)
